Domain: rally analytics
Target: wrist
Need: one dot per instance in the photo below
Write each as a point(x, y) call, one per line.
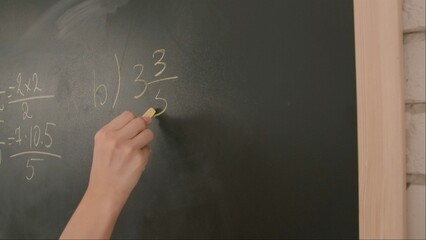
point(94, 217)
point(109, 205)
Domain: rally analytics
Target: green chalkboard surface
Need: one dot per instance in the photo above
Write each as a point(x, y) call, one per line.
point(257, 133)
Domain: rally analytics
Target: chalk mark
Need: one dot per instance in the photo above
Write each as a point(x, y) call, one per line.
point(163, 79)
point(119, 81)
point(31, 98)
point(35, 152)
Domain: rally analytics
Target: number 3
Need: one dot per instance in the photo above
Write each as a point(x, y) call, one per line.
point(159, 62)
point(139, 79)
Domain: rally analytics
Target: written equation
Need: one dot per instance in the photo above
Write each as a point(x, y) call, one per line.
point(36, 140)
point(100, 93)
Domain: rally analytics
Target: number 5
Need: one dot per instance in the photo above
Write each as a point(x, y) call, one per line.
point(48, 135)
point(163, 100)
point(32, 170)
point(31, 167)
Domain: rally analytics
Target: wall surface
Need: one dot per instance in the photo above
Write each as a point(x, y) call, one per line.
point(414, 54)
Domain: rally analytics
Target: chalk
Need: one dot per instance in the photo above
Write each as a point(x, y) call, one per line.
point(149, 113)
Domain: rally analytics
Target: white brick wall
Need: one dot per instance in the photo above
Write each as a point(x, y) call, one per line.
point(414, 54)
point(414, 63)
point(414, 15)
point(415, 122)
point(416, 212)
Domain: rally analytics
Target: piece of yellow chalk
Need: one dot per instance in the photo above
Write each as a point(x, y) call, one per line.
point(149, 113)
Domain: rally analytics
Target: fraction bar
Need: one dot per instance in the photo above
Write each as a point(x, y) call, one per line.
point(36, 152)
point(31, 98)
point(163, 79)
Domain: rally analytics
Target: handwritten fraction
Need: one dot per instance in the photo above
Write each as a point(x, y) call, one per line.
point(100, 91)
point(36, 140)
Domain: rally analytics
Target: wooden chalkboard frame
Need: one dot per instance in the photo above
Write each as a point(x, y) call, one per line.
point(381, 126)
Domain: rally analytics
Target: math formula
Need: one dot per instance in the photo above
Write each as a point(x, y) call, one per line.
point(35, 138)
point(100, 90)
point(32, 141)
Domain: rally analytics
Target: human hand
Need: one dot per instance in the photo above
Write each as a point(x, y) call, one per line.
point(120, 156)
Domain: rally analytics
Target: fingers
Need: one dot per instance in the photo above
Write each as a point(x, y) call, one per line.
point(120, 121)
point(142, 139)
point(132, 129)
point(148, 120)
point(143, 158)
point(129, 127)
point(145, 152)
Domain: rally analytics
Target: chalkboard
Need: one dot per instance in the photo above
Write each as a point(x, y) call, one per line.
point(257, 133)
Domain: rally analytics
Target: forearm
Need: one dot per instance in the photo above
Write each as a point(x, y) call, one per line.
point(120, 155)
point(94, 218)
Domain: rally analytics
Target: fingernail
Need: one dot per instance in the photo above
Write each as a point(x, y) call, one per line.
point(148, 120)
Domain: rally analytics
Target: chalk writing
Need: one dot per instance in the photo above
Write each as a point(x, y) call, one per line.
point(36, 138)
point(32, 167)
point(25, 110)
point(33, 137)
point(36, 153)
point(33, 140)
point(2, 106)
point(163, 100)
point(160, 63)
point(2, 93)
point(30, 86)
point(31, 98)
point(100, 91)
point(118, 81)
point(139, 79)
